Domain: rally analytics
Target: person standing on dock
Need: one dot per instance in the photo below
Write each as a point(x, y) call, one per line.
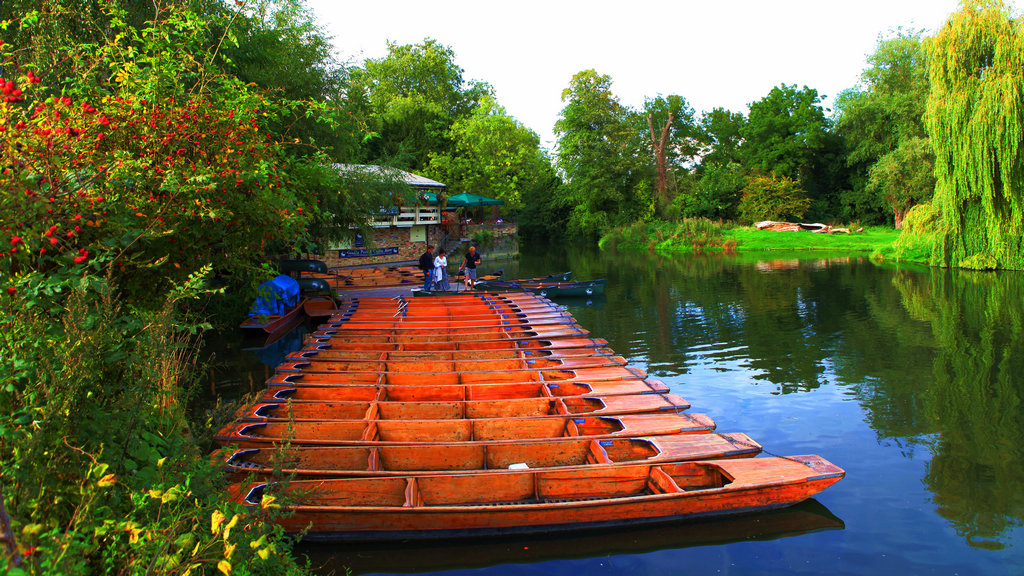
point(469, 264)
point(427, 265)
point(441, 270)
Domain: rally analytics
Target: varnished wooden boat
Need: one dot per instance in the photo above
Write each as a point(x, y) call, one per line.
point(390, 326)
point(549, 289)
point(460, 335)
point(307, 378)
point(354, 317)
point(272, 323)
point(320, 307)
point(518, 501)
point(463, 431)
point(387, 344)
point(312, 353)
point(404, 460)
point(269, 410)
point(291, 387)
point(464, 368)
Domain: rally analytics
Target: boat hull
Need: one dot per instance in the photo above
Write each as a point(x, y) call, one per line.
point(456, 505)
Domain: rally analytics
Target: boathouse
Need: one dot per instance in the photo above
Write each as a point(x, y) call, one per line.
point(399, 233)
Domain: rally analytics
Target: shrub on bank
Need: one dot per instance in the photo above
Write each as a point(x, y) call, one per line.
point(102, 470)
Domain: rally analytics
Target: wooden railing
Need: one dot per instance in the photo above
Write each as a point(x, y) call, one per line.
point(407, 217)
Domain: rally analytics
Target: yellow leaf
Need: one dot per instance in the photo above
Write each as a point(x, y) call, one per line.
point(227, 529)
point(215, 521)
point(108, 480)
point(264, 554)
point(224, 566)
point(160, 462)
point(155, 493)
point(267, 501)
point(229, 549)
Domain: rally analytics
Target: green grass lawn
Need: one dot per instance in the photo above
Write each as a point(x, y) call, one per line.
point(871, 239)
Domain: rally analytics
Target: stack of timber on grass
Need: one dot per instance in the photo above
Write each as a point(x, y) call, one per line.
point(486, 414)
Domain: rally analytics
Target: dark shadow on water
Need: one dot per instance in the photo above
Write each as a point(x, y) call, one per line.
point(430, 556)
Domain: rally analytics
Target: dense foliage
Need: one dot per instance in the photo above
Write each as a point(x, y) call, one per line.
point(142, 165)
point(975, 117)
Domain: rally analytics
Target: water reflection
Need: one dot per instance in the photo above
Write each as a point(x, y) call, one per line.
point(935, 358)
point(433, 556)
point(910, 378)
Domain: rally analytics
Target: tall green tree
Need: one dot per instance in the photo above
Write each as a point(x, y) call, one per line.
point(975, 117)
point(494, 155)
point(883, 126)
point(409, 101)
point(598, 146)
point(788, 134)
point(721, 133)
point(671, 139)
point(278, 46)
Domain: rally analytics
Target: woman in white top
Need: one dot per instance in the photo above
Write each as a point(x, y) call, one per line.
point(441, 270)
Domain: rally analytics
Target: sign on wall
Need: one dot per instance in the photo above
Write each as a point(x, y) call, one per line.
point(364, 252)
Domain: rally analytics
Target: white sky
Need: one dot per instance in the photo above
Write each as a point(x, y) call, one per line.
point(725, 53)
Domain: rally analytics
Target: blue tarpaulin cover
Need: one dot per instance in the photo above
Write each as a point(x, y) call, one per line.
point(275, 297)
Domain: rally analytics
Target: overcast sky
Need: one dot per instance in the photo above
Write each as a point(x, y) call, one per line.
point(725, 53)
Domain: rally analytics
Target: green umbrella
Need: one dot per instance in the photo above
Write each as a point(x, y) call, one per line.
point(467, 199)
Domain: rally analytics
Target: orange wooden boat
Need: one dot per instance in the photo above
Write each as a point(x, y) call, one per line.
point(458, 335)
point(460, 368)
point(291, 388)
point(320, 307)
point(316, 353)
point(458, 409)
point(519, 501)
point(307, 378)
point(271, 323)
point(387, 344)
point(464, 431)
point(337, 461)
point(473, 324)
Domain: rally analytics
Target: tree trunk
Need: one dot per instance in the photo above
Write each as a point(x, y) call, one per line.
point(899, 213)
point(658, 145)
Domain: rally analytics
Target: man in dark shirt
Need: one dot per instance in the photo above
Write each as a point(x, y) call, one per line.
point(427, 265)
point(469, 264)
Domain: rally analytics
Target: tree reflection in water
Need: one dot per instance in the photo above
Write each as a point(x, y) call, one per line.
point(934, 357)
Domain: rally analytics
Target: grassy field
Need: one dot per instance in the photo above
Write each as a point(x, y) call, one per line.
point(872, 239)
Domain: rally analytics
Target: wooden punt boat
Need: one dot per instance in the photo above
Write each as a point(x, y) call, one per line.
point(305, 378)
point(460, 409)
point(461, 335)
point(549, 289)
point(389, 325)
point(385, 344)
point(271, 323)
point(464, 431)
point(522, 501)
point(354, 317)
point(467, 368)
point(337, 461)
point(290, 387)
point(312, 353)
point(319, 307)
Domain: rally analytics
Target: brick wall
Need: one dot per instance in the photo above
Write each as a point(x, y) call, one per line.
point(408, 251)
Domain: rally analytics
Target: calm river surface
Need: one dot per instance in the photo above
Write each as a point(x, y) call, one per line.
point(911, 379)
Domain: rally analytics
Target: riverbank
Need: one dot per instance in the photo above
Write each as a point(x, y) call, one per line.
point(707, 235)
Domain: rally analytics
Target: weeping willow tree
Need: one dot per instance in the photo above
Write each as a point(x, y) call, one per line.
point(975, 117)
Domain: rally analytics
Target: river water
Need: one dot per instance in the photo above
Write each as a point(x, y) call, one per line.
point(910, 378)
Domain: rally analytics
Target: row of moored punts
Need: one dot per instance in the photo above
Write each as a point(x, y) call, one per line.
point(484, 414)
